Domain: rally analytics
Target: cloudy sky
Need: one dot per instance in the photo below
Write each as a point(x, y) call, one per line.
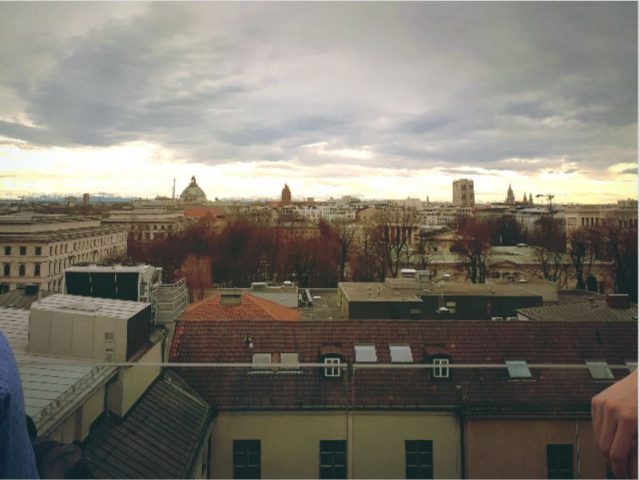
point(372, 99)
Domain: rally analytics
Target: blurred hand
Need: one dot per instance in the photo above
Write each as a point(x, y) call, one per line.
point(614, 413)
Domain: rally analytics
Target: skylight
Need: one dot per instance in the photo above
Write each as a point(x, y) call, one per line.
point(261, 359)
point(289, 358)
point(366, 354)
point(518, 369)
point(599, 370)
point(401, 354)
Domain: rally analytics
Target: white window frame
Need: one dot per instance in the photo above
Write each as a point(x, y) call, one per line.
point(334, 370)
point(440, 367)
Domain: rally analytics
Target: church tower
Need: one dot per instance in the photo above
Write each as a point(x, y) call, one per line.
point(286, 195)
point(510, 198)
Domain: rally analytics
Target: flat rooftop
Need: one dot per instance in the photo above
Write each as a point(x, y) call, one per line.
point(117, 268)
point(410, 290)
point(51, 386)
point(107, 307)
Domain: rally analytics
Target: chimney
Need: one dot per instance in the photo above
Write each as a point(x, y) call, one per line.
point(230, 298)
point(618, 300)
point(173, 192)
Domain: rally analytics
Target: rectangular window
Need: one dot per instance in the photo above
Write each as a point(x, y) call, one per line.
point(36, 270)
point(418, 458)
point(440, 368)
point(400, 354)
point(7, 250)
point(333, 459)
point(38, 250)
point(332, 371)
point(366, 354)
point(560, 461)
point(246, 459)
point(23, 250)
point(22, 270)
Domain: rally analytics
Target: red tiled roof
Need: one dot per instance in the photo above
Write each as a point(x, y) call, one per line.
point(201, 212)
point(478, 391)
point(250, 308)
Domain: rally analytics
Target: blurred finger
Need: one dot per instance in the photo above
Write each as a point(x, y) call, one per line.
point(607, 433)
point(621, 446)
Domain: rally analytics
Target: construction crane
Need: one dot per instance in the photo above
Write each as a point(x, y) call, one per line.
point(549, 197)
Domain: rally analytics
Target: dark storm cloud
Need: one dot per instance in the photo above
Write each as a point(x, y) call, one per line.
point(419, 84)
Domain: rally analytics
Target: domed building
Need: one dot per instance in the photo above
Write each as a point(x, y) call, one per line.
point(193, 194)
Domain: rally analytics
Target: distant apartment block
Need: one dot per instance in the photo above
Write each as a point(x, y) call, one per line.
point(148, 224)
point(463, 193)
point(624, 214)
point(35, 249)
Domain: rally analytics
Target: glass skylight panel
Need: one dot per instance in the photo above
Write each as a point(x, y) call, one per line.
point(400, 354)
point(261, 359)
point(289, 358)
point(366, 354)
point(518, 369)
point(599, 370)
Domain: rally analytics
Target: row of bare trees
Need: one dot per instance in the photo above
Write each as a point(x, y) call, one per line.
point(557, 255)
point(243, 251)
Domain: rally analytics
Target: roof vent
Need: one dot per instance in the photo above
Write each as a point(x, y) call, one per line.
point(230, 298)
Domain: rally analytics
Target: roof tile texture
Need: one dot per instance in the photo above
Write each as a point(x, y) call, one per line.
point(468, 342)
point(250, 308)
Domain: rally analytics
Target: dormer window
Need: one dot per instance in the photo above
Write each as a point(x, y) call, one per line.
point(333, 367)
point(599, 370)
point(332, 356)
point(518, 369)
point(438, 356)
point(366, 354)
point(440, 367)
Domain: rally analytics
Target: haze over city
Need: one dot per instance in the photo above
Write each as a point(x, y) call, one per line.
point(368, 99)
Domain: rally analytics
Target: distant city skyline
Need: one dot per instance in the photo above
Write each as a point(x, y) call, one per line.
point(374, 100)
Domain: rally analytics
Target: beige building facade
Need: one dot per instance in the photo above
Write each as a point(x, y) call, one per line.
point(463, 193)
point(375, 442)
point(146, 225)
point(524, 448)
point(36, 250)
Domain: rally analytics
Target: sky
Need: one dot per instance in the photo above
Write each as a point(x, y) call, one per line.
point(376, 100)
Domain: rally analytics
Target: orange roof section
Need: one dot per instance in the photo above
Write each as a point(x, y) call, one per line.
point(201, 212)
point(249, 308)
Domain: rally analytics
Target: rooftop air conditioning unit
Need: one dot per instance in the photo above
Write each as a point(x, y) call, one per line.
point(97, 328)
point(496, 318)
